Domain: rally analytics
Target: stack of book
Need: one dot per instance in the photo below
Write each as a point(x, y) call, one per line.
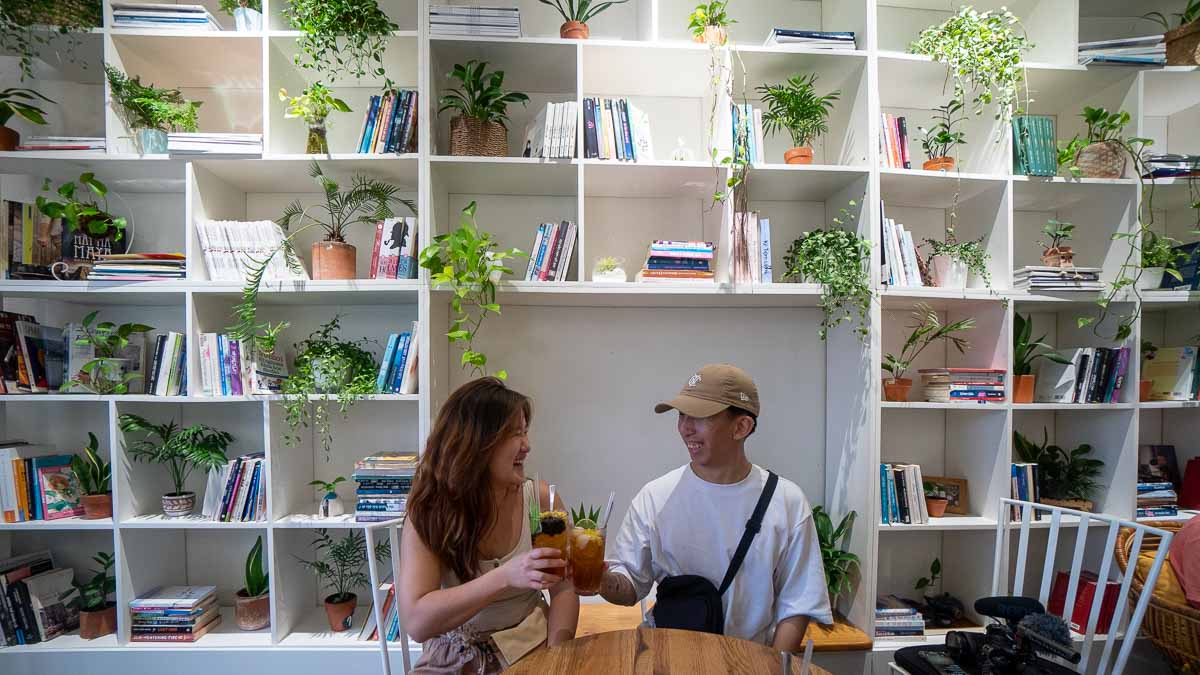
point(35, 485)
point(227, 368)
point(174, 614)
point(398, 370)
point(1094, 375)
point(168, 369)
point(676, 261)
point(1023, 486)
point(139, 267)
point(162, 16)
point(899, 261)
point(750, 249)
point(615, 128)
point(1171, 166)
point(1047, 278)
point(893, 142)
point(50, 143)
point(553, 132)
point(1157, 500)
point(553, 247)
point(390, 124)
point(1034, 151)
point(945, 385)
point(1159, 482)
point(812, 39)
point(384, 481)
point(196, 143)
point(903, 491)
point(1135, 51)
point(502, 22)
point(242, 497)
point(897, 620)
point(1172, 374)
point(394, 255)
point(35, 600)
point(230, 248)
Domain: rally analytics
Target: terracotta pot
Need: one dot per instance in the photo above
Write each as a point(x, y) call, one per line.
point(340, 614)
point(713, 35)
point(939, 164)
point(936, 506)
point(1077, 504)
point(178, 505)
point(574, 30)
point(97, 506)
point(1062, 256)
point(252, 613)
point(1144, 389)
point(99, 623)
point(1023, 390)
point(896, 389)
point(1183, 45)
point(333, 260)
point(802, 155)
point(9, 139)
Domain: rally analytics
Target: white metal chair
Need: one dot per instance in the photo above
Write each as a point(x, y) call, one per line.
point(1058, 518)
point(373, 531)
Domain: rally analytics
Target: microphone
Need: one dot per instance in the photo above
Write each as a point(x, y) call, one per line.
point(1011, 609)
point(1050, 634)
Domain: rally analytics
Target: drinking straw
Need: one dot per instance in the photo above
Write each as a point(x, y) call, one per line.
point(808, 650)
point(608, 508)
point(553, 488)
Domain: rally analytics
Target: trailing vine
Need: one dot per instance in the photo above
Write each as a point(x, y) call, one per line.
point(342, 38)
point(837, 259)
point(28, 25)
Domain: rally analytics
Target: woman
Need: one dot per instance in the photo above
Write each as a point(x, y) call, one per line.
point(471, 584)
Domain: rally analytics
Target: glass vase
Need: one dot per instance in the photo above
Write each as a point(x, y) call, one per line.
point(317, 143)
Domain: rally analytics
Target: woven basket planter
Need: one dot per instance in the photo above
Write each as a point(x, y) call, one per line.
point(1077, 504)
point(1183, 45)
point(1173, 627)
point(1102, 160)
point(471, 137)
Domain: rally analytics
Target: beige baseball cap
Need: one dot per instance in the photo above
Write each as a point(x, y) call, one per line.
point(712, 389)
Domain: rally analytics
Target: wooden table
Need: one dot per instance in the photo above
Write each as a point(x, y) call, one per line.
point(650, 651)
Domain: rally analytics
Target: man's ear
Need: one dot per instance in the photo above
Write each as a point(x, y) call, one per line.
point(743, 426)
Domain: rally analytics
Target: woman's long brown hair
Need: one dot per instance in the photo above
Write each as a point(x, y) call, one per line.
point(451, 504)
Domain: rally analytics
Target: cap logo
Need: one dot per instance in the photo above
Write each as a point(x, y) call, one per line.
point(742, 395)
point(695, 380)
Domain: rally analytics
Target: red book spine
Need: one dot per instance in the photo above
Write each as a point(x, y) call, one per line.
point(375, 249)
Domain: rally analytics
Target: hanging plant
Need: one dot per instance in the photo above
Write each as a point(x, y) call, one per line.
point(26, 26)
point(341, 38)
point(835, 258)
point(985, 53)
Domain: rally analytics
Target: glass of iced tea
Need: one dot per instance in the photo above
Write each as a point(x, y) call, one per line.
point(587, 550)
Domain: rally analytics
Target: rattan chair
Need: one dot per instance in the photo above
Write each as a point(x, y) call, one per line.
point(1173, 627)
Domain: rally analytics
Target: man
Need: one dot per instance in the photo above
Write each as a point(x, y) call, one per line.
point(691, 520)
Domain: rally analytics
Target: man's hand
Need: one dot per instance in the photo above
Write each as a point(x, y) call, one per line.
point(617, 588)
point(789, 634)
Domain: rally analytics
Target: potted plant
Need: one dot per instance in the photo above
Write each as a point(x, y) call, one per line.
point(936, 500)
point(1183, 41)
point(330, 505)
point(1054, 254)
point(340, 567)
point(94, 475)
point(926, 330)
point(1159, 258)
point(108, 372)
point(940, 138)
point(1103, 152)
point(19, 102)
point(313, 105)
point(253, 608)
point(1066, 479)
point(1149, 350)
point(182, 450)
point(151, 111)
point(469, 264)
point(576, 14)
point(83, 208)
point(481, 125)
point(942, 610)
point(953, 261)
point(795, 107)
point(609, 269)
point(709, 21)
point(343, 40)
point(834, 257)
point(247, 14)
point(838, 562)
point(97, 616)
point(1025, 352)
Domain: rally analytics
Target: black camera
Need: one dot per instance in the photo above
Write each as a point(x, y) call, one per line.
point(1017, 643)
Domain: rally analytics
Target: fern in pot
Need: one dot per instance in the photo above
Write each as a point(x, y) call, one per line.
point(480, 127)
point(575, 15)
point(795, 107)
point(151, 111)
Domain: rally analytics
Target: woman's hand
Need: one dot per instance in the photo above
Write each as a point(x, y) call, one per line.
point(538, 569)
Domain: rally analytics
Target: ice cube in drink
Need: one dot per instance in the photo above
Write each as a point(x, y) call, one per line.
point(587, 559)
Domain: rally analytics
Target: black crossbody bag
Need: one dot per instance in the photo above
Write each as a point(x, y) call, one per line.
point(690, 601)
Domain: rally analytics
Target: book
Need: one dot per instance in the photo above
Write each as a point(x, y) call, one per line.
point(50, 595)
point(44, 355)
point(59, 493)
point(1158, 466)
point(173, 597)
point(1171, 373)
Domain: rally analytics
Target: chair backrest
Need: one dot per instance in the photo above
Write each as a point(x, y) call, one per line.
point(1025, 515)
point(392, 531)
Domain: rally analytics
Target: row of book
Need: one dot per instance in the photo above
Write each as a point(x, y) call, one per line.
point(398, 369)
point(553, 248)
point(946, 385)
point(228, 368)
point(486, 21)
point(893, 142)
point(747, 130)
point(903, 491)
point(168, 369)
point(553, 132)
point(1094, 375)
point(230, 248)
point(615, 128)
point(1174, 374)
point(37, 599)
point(900, 264)
point(750, 249)
point(162, 16)
point(394, 253)
point(896, 619)
point(241, 494)
point(675, 261)
point(1172, 165)
point(39, 359)
point(390, 124)
point(33, 242)
point(174, 614)
point(35, 485)
point(61, 143)
point(1034, 152)
point(1049, 278)
point(811, 39)
point(384, 481)
point(139, 267)
point(1157, 500)
point(1187, 264)
point(1024, 486)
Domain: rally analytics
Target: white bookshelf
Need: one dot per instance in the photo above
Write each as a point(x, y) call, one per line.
point(596, 356)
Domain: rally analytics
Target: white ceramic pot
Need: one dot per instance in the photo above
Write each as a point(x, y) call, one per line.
point(949, 272)
point(1151, 278)
point(332, 507)
point(247, 20)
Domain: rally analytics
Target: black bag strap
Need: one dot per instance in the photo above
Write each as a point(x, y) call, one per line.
point(752, 527)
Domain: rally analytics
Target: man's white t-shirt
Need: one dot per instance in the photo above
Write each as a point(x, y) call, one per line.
point(682, 524)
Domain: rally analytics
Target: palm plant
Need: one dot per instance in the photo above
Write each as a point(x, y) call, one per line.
point(182, 449)
point(795, 107)
point(341, 563)
point(580, 10)
point(1026, 351)
point(838, 562)
point(927, 330)
point(482, 96)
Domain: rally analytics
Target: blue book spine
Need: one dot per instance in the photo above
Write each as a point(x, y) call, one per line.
point(541, 252)
point(252, 494)
point(891, 478)
point(398, 362)
point(410, 120)
point(395, 121)
point(221, 364)
point(883, 495)
point(385, 365)
point(369, 127)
